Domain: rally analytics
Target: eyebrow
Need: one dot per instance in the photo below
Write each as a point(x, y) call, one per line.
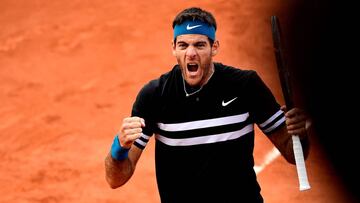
point(197, 42)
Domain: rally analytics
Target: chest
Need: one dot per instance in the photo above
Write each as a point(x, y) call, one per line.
point(210, 102)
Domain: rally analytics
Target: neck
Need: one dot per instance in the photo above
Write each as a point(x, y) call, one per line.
point(194, 90)
point(208, 75)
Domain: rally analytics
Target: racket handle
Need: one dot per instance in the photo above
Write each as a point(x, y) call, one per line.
point(300, 163)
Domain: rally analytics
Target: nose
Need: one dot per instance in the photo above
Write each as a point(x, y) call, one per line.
point(191, 52)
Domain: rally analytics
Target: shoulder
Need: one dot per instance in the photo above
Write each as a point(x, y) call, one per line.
point(235, 75)
point(156, 86)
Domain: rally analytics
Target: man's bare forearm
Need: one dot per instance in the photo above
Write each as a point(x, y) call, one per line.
point(118, 172)
point(288, 152)
point(284, 144)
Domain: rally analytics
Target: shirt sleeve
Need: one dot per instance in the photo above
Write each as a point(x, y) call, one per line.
point(265, 110)
point(144, 107)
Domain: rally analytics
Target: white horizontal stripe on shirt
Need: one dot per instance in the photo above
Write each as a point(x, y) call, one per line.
point(203, 123)
point(205, 139)
point(273, 117)
point(140, 142)
point(146, 137)
point(279, 122)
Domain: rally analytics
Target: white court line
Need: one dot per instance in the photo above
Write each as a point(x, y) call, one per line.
point(269, 157)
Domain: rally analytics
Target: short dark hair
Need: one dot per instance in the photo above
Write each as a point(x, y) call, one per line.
point(195, 13)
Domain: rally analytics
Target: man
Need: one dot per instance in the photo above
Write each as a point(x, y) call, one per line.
point(202, 114)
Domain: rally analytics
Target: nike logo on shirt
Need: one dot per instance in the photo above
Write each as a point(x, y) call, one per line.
point(188, 27)
point(228, 102)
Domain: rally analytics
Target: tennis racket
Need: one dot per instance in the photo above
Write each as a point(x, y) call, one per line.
point(287, 93)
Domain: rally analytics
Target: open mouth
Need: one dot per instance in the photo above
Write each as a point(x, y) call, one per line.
point(192, 67)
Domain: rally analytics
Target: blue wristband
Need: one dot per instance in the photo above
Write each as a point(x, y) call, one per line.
point(117, 152)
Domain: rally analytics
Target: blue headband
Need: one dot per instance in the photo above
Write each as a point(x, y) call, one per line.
point(194, 27)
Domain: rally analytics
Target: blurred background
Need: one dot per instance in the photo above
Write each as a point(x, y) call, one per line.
point(70, 71)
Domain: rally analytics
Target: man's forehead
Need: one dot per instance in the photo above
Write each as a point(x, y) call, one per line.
point(192, 38)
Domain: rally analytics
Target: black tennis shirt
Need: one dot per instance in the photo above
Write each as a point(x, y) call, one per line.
point(204, 142)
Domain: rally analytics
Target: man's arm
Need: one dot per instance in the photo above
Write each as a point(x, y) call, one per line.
point(119, 172)
point(296, 123)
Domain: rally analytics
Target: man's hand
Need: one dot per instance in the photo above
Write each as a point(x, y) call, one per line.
point(130, 130)
point(297, 122)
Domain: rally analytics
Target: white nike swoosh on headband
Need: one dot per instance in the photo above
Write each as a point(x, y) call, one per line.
point(188, 27)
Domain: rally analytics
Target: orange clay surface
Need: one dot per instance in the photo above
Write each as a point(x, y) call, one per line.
point(70, 71)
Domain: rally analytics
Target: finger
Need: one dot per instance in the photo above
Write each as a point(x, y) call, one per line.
point(133, 122)
point(134, 137)
point(126, 143)
point(133, 119)
point(132, 125)
point(293, 112)
point(283, 108)
point(125, 126)
point(127, 140)
point(299, 132)
point(295, 120)
point(129, 132)
point(130, 119)
point(296, 126)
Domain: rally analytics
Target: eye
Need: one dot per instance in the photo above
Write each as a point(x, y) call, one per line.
point(182, 45)
point(200, 45)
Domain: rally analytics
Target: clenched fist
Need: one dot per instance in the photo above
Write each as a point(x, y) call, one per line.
point(130, 130)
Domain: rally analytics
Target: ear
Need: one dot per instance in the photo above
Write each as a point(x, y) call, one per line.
point(173, 48)
point(215, 48)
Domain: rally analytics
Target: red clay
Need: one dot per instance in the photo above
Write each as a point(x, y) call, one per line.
point(69, 72)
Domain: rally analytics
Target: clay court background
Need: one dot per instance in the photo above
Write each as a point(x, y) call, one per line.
point(69, 72)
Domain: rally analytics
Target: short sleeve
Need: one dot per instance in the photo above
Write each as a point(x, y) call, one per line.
point(144, 107)
point(265, 110)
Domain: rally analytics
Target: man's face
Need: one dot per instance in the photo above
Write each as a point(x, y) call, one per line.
point(194, 55)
